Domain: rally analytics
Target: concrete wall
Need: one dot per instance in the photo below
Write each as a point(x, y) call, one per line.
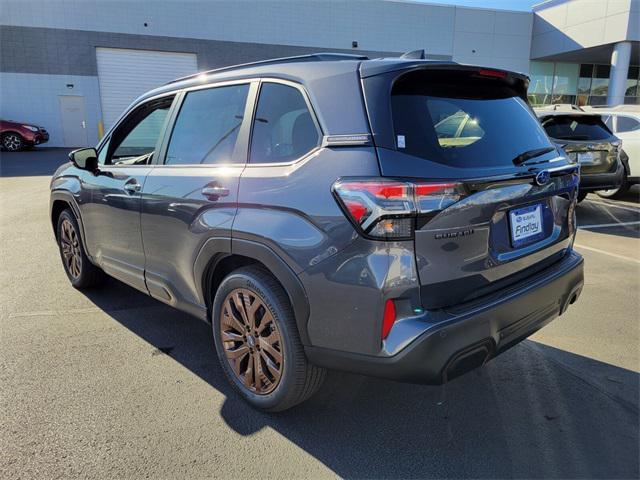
point(499, 38)
point(56, 39)
point(493, 38)
point(565, 26)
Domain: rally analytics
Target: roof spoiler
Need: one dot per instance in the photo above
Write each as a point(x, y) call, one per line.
point(415, 55)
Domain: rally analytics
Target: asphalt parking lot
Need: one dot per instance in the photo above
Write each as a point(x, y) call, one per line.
point(110, 383)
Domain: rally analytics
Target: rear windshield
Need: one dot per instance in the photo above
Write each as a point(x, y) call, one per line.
point(461, 125)
point(576, 127)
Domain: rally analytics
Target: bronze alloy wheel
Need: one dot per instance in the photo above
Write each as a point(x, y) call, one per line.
point(251, 341)
point(70, 244)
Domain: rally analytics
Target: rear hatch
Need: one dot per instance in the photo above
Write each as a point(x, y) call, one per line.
point(506, 207)
point(586, 139)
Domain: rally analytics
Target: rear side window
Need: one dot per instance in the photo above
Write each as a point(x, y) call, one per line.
point(462, 127)
point(283, 128)
point(627, 124)
point(207, 126)
point(576, 127)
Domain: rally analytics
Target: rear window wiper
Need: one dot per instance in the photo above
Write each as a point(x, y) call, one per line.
point(529, 154)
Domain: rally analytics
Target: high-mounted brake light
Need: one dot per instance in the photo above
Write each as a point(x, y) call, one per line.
point(485, 72)
point(387, 209)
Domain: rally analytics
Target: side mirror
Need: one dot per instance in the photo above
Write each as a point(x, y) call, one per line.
point(85, 159)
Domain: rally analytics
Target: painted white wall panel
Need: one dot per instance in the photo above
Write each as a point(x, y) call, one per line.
point(560, 27)
point(28, 97)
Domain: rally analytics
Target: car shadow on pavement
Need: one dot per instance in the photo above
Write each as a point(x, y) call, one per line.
point(528, 413)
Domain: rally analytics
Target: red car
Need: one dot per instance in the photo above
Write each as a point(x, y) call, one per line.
point(16, 136)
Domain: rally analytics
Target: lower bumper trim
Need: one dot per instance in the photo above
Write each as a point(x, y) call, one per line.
point(462, 344)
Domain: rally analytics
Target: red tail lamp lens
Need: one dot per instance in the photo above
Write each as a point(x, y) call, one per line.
point(389, 318)
point(425, 189)
point(357, 210)
point(392, 190)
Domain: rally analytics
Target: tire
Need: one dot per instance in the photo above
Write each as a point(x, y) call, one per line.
point(79, 269)
point(616, 192)
point(12, 142)
point(581, 196)
point(245, 342)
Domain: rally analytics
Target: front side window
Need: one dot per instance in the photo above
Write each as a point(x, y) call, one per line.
point(207, 127)
point(283, 128)
point(134, 141)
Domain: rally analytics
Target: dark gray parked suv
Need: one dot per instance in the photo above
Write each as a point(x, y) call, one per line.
point(400, 218)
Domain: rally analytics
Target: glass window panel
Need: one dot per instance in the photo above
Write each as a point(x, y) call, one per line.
point(584, 85)
point(283, 128)
point(586, 70)
point(627, 124)
point(602, 71)
point(541, 77)
point(571, 99)
point(595, 100)
point(207, 126)
point(539, 99)
point(565, 80)
point(582, 100)
point(600, 84)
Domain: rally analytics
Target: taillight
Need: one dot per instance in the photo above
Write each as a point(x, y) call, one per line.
point(387, 209)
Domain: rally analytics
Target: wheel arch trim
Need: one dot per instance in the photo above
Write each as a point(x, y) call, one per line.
point(215, 249)
point(69, 199)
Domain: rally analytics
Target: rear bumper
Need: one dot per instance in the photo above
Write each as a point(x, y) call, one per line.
point(590, 182)
point(471, 335)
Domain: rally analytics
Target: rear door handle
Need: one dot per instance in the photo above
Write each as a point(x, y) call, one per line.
point(213, 193)
point(132, 187)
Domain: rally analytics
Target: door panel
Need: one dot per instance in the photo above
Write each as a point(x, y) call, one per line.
point(112, 222)
point(191, 194)
point(180, 212)
point(112, 217)
point(74, 125)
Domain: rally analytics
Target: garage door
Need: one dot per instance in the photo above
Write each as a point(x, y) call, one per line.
point(126, 74)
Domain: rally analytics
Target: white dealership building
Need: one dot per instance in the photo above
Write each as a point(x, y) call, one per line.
point(74, 65)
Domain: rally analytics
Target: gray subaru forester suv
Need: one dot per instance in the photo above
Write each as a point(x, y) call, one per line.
point(401, 218)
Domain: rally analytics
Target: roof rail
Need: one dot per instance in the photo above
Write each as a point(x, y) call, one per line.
point(312, 57)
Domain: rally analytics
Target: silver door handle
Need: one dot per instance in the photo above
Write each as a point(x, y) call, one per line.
point(132, 187)
point(215, 192)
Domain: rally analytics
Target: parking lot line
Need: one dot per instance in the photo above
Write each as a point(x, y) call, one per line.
point(606, 225)
point(604, 252)
point(622, 207)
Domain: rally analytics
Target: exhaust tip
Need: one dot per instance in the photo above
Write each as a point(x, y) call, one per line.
point(467, 360)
